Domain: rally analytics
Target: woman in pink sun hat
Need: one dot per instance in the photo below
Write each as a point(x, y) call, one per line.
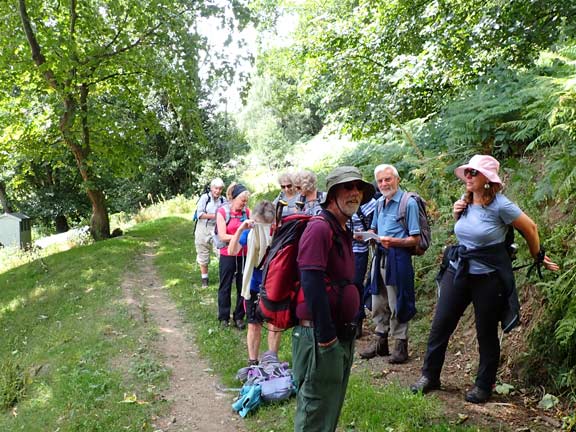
point(479, 271)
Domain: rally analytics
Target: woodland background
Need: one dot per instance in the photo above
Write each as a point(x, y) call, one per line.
point(107, 106)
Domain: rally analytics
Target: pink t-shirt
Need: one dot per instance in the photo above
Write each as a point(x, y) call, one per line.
point(236, 218)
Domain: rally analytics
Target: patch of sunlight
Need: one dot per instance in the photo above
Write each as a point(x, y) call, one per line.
point(172, 282)
point(12, 305)
point(41, 397)
point(89, 273)
point(327, 144)
point(208, 301)
point(37, 292)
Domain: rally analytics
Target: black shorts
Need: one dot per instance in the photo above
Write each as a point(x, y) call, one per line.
point(250, 305)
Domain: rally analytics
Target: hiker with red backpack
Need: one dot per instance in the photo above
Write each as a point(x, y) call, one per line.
point(228, 219)
point(392, 279)
point(324, 335)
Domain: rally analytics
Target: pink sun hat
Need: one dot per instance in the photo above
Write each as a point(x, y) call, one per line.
point(485, 164)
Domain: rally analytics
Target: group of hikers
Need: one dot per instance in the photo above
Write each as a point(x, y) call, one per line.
point(340, 277)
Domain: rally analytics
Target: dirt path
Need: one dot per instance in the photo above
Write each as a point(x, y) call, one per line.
point(196, 404)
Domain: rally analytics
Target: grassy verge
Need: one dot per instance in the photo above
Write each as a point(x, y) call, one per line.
point(72, 358)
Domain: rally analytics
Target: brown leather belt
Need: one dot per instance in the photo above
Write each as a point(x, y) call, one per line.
point(306, 323)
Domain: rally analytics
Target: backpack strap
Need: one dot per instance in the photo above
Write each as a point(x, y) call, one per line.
point(401, 215)
point(362, 218)
point(335, 240)
point(226, 213)
point(207, 201)
point(380, 205)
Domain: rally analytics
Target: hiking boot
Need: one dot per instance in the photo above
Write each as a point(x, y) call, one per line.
point(478, 395)
point(425, 385)
point(205, 282)
point(400, 353)
point(224, 323)
point(240, 324)
point(378, 348)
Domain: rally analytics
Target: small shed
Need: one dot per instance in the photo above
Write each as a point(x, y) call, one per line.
point(15, 230)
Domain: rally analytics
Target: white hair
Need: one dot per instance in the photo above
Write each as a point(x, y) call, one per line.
point(384, 167)
point(217, 182)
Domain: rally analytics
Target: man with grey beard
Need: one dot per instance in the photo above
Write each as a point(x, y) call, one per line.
point(393, 303)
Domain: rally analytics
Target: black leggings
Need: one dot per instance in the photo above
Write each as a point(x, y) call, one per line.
point(230, 269)
point(485, 293)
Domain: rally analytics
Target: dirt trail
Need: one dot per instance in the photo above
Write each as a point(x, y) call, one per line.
point(196, 404)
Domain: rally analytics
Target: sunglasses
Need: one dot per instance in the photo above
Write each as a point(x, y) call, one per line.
point(471, 172)
point(286, 186)
point(352, 185)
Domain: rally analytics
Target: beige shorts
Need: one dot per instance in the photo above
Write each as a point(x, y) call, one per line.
point(204, 243)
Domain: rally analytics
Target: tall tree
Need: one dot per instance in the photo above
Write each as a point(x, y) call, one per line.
point(94, 70)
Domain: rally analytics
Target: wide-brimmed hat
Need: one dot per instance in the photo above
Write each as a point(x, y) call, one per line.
point(345, 174)
point(485, 164)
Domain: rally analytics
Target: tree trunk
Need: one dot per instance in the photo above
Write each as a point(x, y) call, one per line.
point(4, 199)
point(61, 224)
point(99, 222)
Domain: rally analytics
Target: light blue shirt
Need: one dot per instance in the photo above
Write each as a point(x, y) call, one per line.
point(385, 222)
point(480, 226)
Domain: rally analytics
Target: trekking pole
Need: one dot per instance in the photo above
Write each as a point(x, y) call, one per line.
point(279, 207)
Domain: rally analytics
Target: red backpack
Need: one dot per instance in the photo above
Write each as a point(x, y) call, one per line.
point(280, 289)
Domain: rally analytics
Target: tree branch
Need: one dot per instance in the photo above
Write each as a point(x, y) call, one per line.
point(114, 75)
point(118, 33)
point(37, 55)
point(84, 117)
point(73, 17)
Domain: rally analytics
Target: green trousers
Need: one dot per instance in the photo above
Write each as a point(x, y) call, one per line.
point(321, 376)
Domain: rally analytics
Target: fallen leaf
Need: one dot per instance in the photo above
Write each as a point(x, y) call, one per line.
point(548, 401)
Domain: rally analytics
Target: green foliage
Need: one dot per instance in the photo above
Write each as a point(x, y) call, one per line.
point(115, 86)
point(276, 118)
point(364, 60)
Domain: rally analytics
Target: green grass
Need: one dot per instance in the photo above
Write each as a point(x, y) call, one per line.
point(63, 325)
point(73, 355)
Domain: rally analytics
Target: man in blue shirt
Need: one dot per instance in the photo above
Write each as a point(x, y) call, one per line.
point(392, 286)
